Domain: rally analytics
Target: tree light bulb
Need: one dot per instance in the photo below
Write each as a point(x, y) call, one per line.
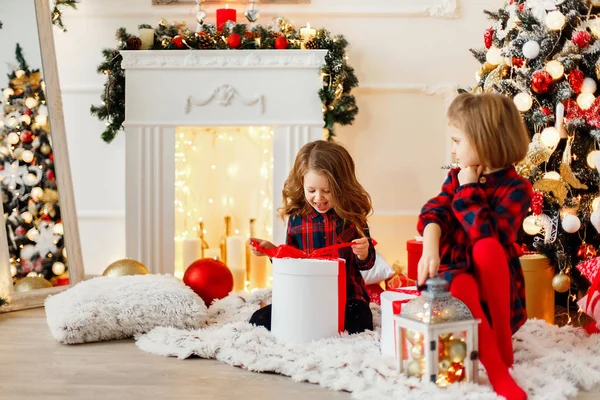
point(555, 20)
point(523, 101)
point(530, 227)
point(550, 136)
point(555, 69)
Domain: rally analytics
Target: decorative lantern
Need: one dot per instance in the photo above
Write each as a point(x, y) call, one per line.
point(436, 336)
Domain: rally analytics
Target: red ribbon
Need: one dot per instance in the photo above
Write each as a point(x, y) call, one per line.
point(590, 294)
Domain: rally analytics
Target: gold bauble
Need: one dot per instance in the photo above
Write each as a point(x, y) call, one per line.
point(417, 352)
point(455, 373)
point(124, 267)
point(413, 336)
point(561, 283)
point(444, 364)
point(30, 283)
point(484, 69)
point(494, 78)
point(414, 368)
point(457, 350)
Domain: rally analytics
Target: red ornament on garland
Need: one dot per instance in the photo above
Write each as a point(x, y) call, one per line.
point(26, 137)
point(20, 231)
point(210, 279)
point(281, 43)
point(586, 251)
point(488, 37)
point(517, 62)
point(27, 111)
point(546, 111)
point(582, 39)
point(541, 81)
point(178, 42)
point(537, 202)
point(50, 175)
point(234, 41)
point(249, 35)
point(576, 80)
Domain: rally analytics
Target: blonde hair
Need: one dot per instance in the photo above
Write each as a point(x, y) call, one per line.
point(332, 161)
point(494, 127)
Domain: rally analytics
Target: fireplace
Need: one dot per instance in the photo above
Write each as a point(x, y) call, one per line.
point(269, 97)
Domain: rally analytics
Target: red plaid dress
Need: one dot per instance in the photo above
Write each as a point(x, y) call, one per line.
point(495, 207)
point(315, 230)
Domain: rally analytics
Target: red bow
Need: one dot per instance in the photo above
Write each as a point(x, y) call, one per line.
point(287, 251)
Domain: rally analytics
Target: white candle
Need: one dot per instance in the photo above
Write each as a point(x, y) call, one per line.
point(191, 252)
point(236, 261)
point(258, 272)
point(307, 33)
point(560, 114)
point(147, 38)
point(215, 254)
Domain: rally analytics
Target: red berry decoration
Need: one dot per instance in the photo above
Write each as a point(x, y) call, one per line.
point(210, 279)
point(178, 42)
point(26, 137)
point(582, 39)
point(50, 175)
point(517, 62)
point(521, 7)
point(576, 80)
point(537, 202)
point(541, 81)
point(281, 43)
point(488, 37)
point(249, 35)
point(234, 41)
point(546, 111)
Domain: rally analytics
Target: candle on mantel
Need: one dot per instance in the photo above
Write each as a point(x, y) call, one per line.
point(147, 38)
point(215, 254)
point(192, 251)
point(236, 261)
point(224, 15)
point(307, 33)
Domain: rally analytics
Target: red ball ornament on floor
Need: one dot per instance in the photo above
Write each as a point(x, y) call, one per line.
point(541, 81)
point(281, 43)
point(234, 41)
point(210, 279)
point(178, 42)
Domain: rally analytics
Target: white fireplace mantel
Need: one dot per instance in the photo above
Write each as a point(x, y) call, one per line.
point(169, 89)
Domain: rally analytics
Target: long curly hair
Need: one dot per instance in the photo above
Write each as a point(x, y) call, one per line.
point(332, 161)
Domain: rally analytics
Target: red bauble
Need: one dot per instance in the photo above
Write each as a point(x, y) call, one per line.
point(576, 80)
point(586, 251)
point(541, 81)
point(582, 38)
point(234, 41)
point(488, 37)
point(521, 7)
point(517, 62)
point(210, 279)
point(20, 231)
point(27, 111)
point(537, 203)
point(281, 43)
point(249, 35)
point(50, 175)
point(546, 111)
point(26, 137)
point(178, 42)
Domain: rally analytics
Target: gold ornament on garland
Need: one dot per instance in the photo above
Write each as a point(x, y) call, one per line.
point(568, 176)
point(31, 283)
point(494, 78)
point(561, 282)
point(124, 267)
point(557, 188)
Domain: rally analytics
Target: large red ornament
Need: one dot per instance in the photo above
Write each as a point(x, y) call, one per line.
point(281, 43)
point(488, 37)
point(537, 202)
point(210, 279)
point(178, 42)
point(582, 39)
point(576, 80)
point(234, 41)
point(541, 81)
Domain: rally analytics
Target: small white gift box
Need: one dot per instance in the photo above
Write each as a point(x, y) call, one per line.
point(391, 305)
point(309, 298)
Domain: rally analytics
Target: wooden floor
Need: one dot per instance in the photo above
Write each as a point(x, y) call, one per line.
point(34, 366)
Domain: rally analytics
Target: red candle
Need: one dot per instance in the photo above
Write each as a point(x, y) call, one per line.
point(224, 15)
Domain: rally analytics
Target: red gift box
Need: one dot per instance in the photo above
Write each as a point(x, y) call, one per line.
point(415, 250)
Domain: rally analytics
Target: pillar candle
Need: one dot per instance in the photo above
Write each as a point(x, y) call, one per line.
point(224, 15)
point(215, 254)
point(307, 33)
point(191, 252)
point(258, 272)
point(236, 261)
point(147, 38)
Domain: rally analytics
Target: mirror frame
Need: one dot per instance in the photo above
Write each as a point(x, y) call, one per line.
point(66, 198)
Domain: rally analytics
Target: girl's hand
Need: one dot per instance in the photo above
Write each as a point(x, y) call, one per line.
point(265, 244)
point(469, 174)
point(428, 266)
point(360, 247)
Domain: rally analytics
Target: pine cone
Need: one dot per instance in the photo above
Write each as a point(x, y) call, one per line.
point(206, 43)
point(134, 43)
point(312, 44)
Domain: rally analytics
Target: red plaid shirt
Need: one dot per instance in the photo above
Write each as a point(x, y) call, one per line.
point(495, 207)
point(315, 231)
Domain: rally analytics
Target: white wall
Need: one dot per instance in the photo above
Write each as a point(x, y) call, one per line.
point(408, 54)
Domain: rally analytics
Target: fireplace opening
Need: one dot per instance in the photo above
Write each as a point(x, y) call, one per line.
point(223, 195)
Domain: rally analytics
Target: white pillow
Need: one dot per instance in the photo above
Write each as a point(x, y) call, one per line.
point(109, 308)
point(380, 271)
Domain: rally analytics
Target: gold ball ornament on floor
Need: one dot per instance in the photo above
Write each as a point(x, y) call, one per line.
point(561, 283)
point(124, 267)
point(30, 283)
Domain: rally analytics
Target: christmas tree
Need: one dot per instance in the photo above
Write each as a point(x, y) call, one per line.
point(27, 178)
point(544, 55)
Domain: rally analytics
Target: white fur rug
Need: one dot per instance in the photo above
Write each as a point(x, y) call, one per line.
point(552, 363)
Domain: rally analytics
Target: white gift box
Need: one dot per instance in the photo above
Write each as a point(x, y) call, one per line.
point(388, 342)
point(309, 299)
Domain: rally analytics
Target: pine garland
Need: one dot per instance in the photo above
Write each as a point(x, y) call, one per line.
point(57, 12)
point(339, 105)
